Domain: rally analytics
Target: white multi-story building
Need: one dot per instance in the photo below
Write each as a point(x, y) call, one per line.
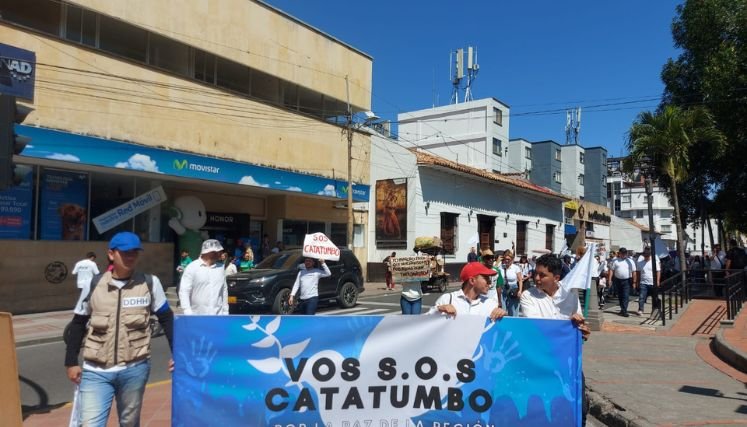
point(627, 199)
point(520, 157)
point(472, 133)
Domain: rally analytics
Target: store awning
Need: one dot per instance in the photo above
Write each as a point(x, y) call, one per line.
point(69, 147)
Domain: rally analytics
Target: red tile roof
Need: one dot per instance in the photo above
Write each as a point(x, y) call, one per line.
point(428, 159)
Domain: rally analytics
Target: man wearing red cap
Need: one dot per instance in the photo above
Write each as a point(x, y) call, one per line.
point(472, 298)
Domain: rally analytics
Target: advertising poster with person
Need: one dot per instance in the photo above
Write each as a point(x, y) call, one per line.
point(391, 212)
point(63, 205)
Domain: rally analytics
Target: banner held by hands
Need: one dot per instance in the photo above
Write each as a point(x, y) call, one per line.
point(319, 246)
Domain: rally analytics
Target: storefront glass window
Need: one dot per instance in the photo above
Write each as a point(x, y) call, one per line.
point(339, 234)
point(17, 208)
point(107, 192)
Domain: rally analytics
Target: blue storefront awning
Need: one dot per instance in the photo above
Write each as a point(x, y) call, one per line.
point(68, 147)
point(570, 229)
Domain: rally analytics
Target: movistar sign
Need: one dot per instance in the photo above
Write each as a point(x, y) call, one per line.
point(181, 164)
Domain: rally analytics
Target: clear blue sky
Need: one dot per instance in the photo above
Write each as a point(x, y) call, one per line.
point(534, 55)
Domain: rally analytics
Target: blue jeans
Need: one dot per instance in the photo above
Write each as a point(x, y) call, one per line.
point(645, 291)
point(511, 303)
point(97, 389)
point(411, 307)
point(308, 306)
point(623, 292)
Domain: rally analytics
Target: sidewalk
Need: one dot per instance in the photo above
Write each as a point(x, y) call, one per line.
point(638, 375)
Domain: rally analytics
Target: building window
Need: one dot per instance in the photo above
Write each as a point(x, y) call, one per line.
point(449, 232)
point(581, 179)
point(626, 198)
point(550, 237)
point(497, 147)
point(617, 206)
point(604, 180)
point(521, 237)
point(80, 26)
point(168, 54)
point(527, 153)
point(40, 15)
point(498, 116)
point(557, 154)
point(122, 39)
point(581, 157)
point(556, 177)
point(639, 213)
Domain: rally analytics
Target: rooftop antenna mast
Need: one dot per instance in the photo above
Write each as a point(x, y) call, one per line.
point(572, 126)
point(456, 73)
point(472, 68)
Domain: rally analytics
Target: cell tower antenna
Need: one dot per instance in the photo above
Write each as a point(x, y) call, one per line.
point(456, 67)
point(573, 126)
point(472, 68)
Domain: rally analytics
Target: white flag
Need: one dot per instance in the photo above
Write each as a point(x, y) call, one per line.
point(76, 416)
point(580, 276)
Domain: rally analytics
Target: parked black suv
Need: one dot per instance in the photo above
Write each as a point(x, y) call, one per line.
point(269, 284)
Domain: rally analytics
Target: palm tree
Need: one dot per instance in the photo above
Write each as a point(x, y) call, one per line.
point(665, 139)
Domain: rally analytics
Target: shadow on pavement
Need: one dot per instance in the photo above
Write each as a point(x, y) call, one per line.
point(43, 406)
point(706, 392)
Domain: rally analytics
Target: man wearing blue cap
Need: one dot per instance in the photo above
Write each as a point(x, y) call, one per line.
point(112, 327)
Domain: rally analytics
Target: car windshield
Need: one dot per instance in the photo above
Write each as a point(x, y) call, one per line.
point(281, 261)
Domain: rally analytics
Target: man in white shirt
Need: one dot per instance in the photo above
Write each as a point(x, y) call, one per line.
point(717, 259)
point(472, 298)
point(622, 275)
point(84, 271)
point(547, 299)
point(307, 283)
point(599, 278)
point(202, 289)
point(645, 279)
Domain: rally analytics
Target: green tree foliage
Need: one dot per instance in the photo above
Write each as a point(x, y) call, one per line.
point(712, 72)
point(665, 140)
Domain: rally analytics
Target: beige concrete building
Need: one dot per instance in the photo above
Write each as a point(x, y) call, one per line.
point(139, 104)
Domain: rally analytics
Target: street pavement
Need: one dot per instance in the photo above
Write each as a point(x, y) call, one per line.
point(639, 372)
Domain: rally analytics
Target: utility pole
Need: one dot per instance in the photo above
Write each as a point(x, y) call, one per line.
point(652, 242)
point(349, 131)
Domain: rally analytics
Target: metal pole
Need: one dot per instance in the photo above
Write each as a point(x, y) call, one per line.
point(652, 240)
point(350, 167)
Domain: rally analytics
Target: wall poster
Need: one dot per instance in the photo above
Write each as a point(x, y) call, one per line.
point(63, 205)
point(391, 212)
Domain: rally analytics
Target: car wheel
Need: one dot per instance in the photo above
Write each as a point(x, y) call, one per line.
point(442, 284)
point(280, 304)
point(348, 295)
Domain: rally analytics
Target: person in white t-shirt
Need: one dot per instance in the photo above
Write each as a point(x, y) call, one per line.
point(472, 298)
point(514, 283)
point(84, 271)
point(547, 299)
point(203, 289)
point(645, 279)
point(622, 275)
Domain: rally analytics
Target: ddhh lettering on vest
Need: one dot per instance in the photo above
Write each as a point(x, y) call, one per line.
point(136, 301)
point(321, 250)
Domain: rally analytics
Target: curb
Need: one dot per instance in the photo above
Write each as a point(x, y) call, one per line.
point(728, 353)
point(45, 340)
point(612, 414)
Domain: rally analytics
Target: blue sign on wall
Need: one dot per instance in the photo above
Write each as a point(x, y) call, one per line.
point(17, 71)
point(56, 145)
point(338, 371)
point(63, 205)
point(15, 209)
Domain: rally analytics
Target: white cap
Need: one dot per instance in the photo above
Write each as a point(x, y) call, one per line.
point(211, 245)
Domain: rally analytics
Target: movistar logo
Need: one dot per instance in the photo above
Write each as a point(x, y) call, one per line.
point(180, 164)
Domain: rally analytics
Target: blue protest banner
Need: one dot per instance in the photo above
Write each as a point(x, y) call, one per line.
point(379, 371)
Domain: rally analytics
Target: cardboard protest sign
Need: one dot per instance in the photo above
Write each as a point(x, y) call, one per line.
point(319, 246)
point(411, 268)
